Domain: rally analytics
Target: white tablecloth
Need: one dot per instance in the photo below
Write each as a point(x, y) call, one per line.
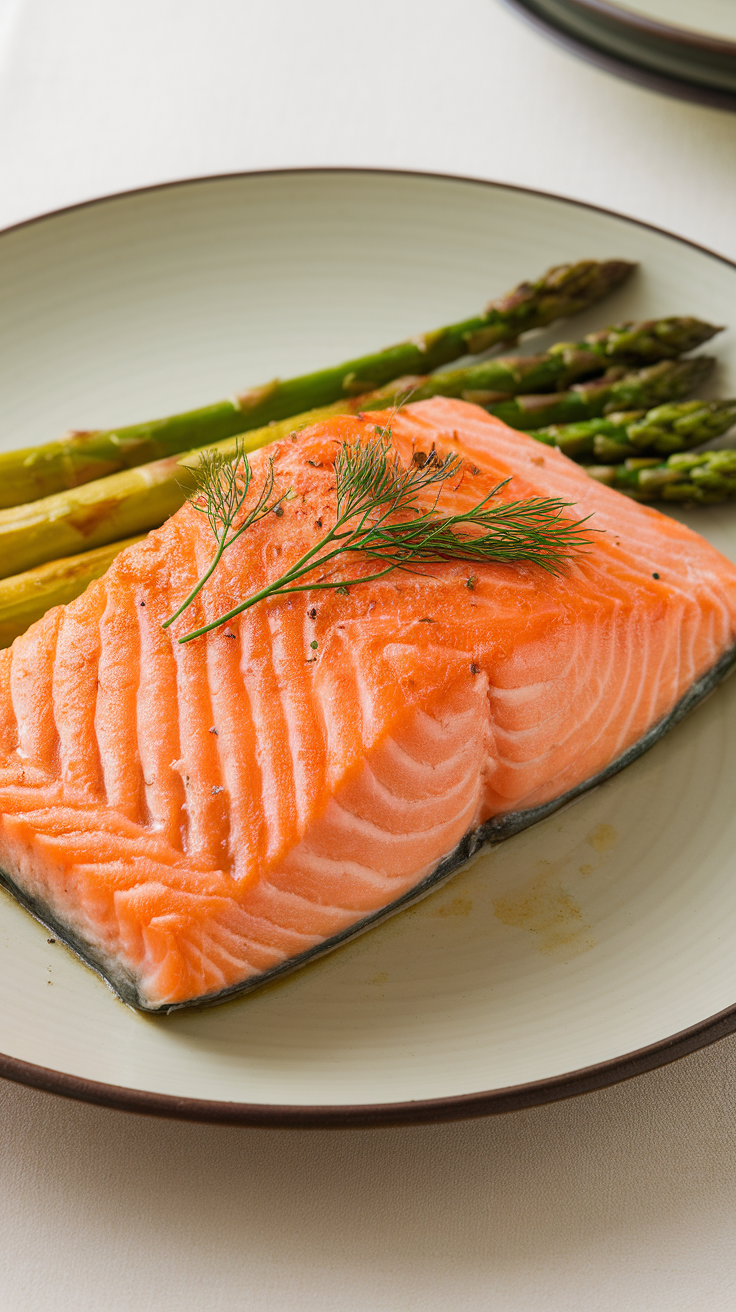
point(624, 1199)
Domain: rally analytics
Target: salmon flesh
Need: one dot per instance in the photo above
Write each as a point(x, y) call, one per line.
point(195, 819)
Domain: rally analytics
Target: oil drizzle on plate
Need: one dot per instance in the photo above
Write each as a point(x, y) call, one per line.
point(546, 909)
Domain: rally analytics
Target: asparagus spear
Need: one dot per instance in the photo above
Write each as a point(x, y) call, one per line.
point(26, 597)
point(652, 340)
point(670, 428)
point(675, 426)
point(669, 380)
point(39, 471)
point(138, 499)
point(133, 500)
point(706, 477)
point(628, 343)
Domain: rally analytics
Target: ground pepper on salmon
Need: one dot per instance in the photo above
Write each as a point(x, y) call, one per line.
point(388, 511)
point(344, 779)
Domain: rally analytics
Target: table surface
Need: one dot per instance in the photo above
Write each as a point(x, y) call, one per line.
point(625, 1198)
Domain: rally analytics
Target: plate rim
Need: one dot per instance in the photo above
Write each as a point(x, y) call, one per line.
point(344, 1116)
point(641, 74)
point(374, 1115)
point(653, 27)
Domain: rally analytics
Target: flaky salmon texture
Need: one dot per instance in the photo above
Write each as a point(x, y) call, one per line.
point(195, 818)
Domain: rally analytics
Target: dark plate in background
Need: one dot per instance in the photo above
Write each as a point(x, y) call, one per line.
point(670, 60)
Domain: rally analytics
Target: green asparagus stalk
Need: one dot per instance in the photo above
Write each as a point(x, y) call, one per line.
point(80, 457)
point(704, 478)
point(604, 439)
point(651, 340)
point(667, 381)
point(676, 426)
point(671, 428)
point(26, 597)
point(629, 343)
point(135, 500)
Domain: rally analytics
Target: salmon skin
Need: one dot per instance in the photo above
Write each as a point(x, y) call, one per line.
point(194, 820)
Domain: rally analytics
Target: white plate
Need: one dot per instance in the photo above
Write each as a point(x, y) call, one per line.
point(539, 971)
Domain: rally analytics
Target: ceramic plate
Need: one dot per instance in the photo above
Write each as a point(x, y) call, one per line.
point(649, 42)
point(597, 944)
point(713, 18)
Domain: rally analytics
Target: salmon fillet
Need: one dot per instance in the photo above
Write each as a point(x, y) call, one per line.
point(193, 819)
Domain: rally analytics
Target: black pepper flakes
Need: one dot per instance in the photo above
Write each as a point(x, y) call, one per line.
point(278, 512)
point(475, 669)
point(50, 940)
point(426, 619)
point(655, 576)
point(313, 613)
point(213, 730)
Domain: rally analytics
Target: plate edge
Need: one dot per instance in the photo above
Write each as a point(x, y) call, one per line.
point(652, 27)
point(640, 74)
point(519, 7)
point(431, 1111)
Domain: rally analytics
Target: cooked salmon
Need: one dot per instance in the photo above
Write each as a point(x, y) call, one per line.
point(195, 818)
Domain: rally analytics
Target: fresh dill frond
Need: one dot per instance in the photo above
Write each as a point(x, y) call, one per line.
point(535, 531)
point(379, 515)
point(221, 488)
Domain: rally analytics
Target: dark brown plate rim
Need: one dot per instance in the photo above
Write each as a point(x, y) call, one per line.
point(641, 74)
point(682, 36)
point(425, 1111)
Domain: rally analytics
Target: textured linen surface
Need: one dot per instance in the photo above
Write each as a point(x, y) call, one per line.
point(625, 1198)
point(622, 1199)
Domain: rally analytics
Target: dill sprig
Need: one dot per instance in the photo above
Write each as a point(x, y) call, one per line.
point(221, 487)
point(373, 488)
